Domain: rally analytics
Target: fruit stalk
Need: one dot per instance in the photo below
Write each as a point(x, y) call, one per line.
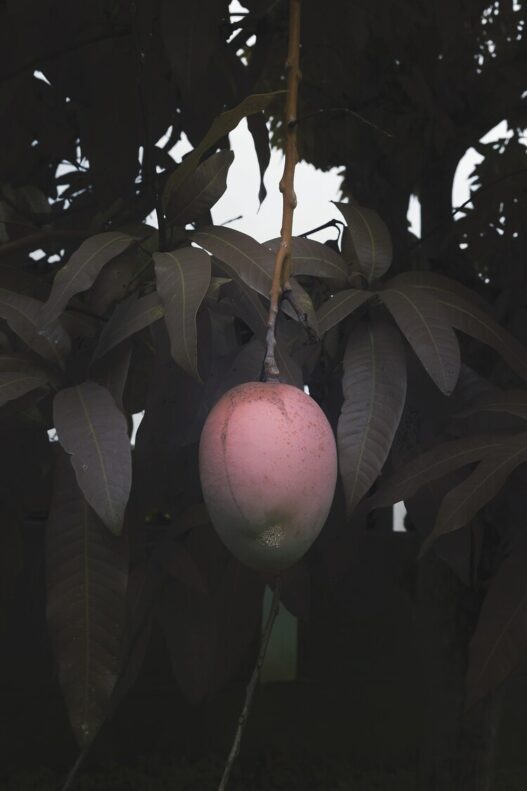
point(251, 686)
point(282, 265)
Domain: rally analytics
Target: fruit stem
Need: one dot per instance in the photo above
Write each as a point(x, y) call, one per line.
point(282, 264)
point(251, 686)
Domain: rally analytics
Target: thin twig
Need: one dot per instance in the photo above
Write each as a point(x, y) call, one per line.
point(282, 263)
point(338, 224)
point(251, 687)
point(35, 62)
point(342, 111)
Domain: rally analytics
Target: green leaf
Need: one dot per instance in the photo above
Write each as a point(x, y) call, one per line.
point(198, 193)
point(340, 306)
point(374, 388)
point(183, 278)
point(80, 272)
point(463, 502)
point(370, 242)
point(220, 127)
point(22, 314)
point(86, 578)
point(433, 464)
point(314, 259)
point(93, 430)
point(14, 384)
point(129, 317)
point(242, 255)
point(424, 322)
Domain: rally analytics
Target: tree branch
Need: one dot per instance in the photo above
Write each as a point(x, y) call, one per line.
point(251, 687)
point(282, 264)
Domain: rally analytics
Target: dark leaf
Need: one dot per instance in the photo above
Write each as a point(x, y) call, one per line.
point(340, 306)
point(314, 259)
point(174, 558)
point(499, 643)
point(14, 384)
point(463, 502)
point(209, 637)
point(80, 272)
point(23, 316)
point(256, 123)
point(220, 127)
point(183, 278)
point(371, 244)
point(191, 33)
point(433, 464)
point(467, 313)
point(374, 389)
point(425, 324)
point(93, 430)
point(86, 594)
point(129, 317)
point(112, 371)
point(512, 402)
point(251, 261)
point(197, 194)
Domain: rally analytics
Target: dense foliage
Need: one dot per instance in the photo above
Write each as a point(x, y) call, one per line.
point(104, 316)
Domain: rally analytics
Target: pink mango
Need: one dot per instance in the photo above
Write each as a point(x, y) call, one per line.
point(268, 467)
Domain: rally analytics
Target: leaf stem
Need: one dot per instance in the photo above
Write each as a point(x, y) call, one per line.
point(282, 263)
point(251, 687)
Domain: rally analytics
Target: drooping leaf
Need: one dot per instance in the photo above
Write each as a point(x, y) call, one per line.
point(23, 316)
point(129, 317)
point(499, 643)
point(80, 272)
point(220, 127)
point(183, 277)
point(93, 430)
point(433, 464)
point(371, 244)
point(314, 258)
point(374, 388)
point(14, 384)
point(251, 261)
point(257, 126)
point(198, 193)
point(340, 306)
point(86, 594)
point(438, 286)
point(466, 312)
point(512, 402)
point(425, 324)
point(463, 502)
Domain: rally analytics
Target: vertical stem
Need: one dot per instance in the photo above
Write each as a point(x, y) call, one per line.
point(282, 264)
point(251, 687)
